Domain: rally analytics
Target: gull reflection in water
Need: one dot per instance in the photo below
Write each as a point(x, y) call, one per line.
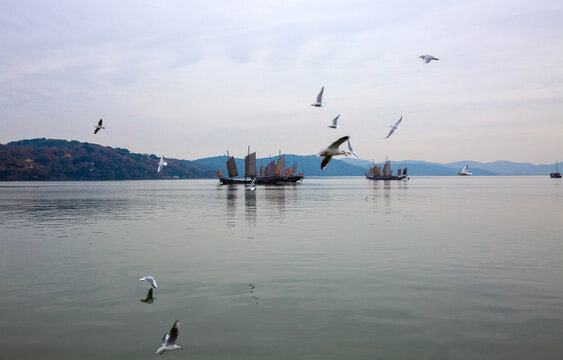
point(150, 298)
point(250, 207)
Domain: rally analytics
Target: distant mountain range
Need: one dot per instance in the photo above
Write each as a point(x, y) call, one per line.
point(51, 159)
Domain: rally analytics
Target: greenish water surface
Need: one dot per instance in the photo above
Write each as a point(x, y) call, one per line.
point(343, 268)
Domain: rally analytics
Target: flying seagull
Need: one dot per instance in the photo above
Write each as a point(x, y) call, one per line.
point(151, 280)
point(428, 58)
point(251, 186)
point(98, 127)
point(332, 150)
point(169, 340)
point(351, 151)
point(394, 127)
point(319, 102)
point(150, 298)
point(161, 164)
point(334, 126)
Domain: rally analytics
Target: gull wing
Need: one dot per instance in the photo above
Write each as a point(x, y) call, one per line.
point(398, 122)
point(165, 340)
point(326, 160)
point(351, 151)
point(390, 132)
point(320, 96)
point(427, 59)
point(96, 130)
point(337, 143)
point(100, 122)
point(173, 334)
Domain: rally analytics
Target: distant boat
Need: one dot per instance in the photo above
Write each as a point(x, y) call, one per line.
point(376, 173)
point(556, 174)
point(273, 173)
point(465, 171)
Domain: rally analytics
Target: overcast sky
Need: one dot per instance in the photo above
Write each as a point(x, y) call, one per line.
point(191, 79)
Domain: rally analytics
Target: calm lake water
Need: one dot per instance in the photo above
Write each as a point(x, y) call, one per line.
point(432, 268)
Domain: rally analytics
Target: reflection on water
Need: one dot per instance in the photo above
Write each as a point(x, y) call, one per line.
point(232, 215)
point(57, 203)
point(149, 299)
point(340, 269)
point(250, 207)
point(387, 192)
point(274, 198)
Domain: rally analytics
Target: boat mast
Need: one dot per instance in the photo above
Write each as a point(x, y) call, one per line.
point(246, 165)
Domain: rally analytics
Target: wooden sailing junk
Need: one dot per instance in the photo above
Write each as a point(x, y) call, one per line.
point(376, 173)
point(273, 173)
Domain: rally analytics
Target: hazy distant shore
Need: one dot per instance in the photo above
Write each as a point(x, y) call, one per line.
point(62, 160)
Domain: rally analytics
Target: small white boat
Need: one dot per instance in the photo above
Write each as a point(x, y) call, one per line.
point(465, 171)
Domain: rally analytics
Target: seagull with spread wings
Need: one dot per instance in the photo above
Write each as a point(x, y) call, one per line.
point(251, 186)
point(161, 163)
point(394, 127)
point(332, 150)
point(428, 58)
point(319, 102)
point(151, 280)
point(169, 340)
point(98, 127)
point(334, 123)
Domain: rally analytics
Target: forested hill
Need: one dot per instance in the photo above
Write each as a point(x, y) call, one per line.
point(51, 159)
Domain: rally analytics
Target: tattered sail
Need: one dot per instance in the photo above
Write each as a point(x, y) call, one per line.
point(277, 169)
point(294, 169)
point(399, 172)
point(262, 170)
point(280, 166)
point(250, 165)
point(270, 169)
point(232, 167)
point(387, 169)
point(377, 170)
point(219, 174)
point(405, 172)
